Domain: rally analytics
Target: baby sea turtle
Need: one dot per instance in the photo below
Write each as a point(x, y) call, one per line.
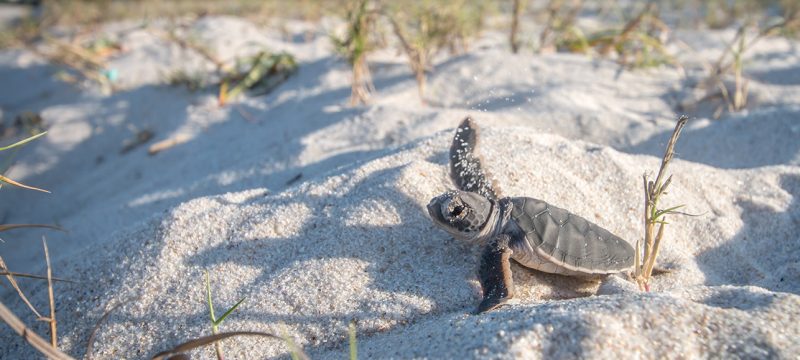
point(534, 233)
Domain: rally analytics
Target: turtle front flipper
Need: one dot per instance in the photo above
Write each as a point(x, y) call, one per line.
point(495, 274)
point(466, 169)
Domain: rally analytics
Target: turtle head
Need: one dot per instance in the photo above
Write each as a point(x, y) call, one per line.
point(462, 214)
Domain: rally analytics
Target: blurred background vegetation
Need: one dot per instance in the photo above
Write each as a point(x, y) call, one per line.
point(635, 34)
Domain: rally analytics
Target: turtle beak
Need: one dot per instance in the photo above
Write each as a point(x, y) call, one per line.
point(433, 208)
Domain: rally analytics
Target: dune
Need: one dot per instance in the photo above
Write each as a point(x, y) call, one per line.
point(314, 213)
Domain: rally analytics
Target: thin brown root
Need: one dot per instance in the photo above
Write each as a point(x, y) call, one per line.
point(100, 322)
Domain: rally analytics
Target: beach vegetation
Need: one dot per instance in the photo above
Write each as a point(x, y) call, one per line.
point(354, 47)
point(424, 28)
point(655, 217)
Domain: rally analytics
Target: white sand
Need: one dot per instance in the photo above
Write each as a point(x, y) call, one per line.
point(351, 239)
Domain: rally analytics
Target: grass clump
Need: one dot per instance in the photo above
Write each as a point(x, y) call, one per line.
point(259, 75)
point(517, 8)
point(49, 349)
point(726, 77)
point(560, 25)
point(646, 251)
point(639, 43)
point(426, 27)
point(354, 47)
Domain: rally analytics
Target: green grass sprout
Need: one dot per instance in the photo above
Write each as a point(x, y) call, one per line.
point(216, 322)
point(351, 329)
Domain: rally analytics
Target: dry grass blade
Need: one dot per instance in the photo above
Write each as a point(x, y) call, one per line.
point(35, 340)
point(6, 227)
point(16, 287)
point(52, 319)
point(17, 184)
point(205, 340)
point(31, 276)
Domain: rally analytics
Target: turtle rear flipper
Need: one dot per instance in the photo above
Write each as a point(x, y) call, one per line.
point(495, 274)
point(466, 169)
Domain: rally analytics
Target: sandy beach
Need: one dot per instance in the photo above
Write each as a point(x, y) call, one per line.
point(313, 211)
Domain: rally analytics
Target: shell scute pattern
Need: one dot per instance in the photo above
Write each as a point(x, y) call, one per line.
point(569, 239)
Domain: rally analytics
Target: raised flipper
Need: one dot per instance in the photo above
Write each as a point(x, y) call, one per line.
point(495, 274)
point(466, 169)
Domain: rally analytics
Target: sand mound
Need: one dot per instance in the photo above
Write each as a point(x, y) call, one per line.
point(314, 211)
point(357, 245)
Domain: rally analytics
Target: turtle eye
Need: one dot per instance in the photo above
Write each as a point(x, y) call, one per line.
point(457, 210)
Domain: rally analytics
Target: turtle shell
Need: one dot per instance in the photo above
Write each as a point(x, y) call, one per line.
point(556, 236)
